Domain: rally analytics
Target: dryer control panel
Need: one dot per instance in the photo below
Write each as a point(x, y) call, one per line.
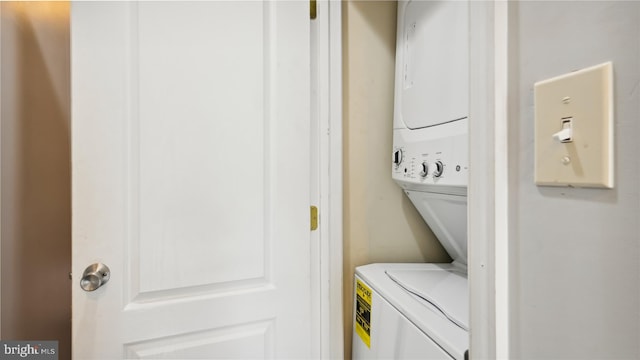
point(432, 158)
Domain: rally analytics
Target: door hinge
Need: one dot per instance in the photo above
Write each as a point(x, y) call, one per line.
point(312, 9)
point(314, 218)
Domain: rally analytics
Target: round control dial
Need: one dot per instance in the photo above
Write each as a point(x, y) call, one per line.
point(439, 169)
point(424, 169)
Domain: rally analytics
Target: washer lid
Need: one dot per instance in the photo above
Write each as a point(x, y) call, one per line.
point(446, 215)
point(446, 290)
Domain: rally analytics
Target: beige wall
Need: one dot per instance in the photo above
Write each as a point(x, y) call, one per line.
point(380, 223)
point(36, 220)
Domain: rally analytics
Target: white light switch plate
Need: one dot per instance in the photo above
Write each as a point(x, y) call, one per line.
point(586, 98)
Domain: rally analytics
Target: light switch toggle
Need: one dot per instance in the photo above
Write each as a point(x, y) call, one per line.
point(566, 134)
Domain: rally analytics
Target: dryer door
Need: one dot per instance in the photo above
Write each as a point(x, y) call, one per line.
point(432, 60)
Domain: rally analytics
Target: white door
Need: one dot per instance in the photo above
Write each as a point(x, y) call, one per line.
point(191, 179)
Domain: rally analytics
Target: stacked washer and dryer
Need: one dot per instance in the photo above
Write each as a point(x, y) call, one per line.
point(421, 311)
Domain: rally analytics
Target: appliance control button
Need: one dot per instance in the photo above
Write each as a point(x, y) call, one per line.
point(439, 169)
point(424, 169)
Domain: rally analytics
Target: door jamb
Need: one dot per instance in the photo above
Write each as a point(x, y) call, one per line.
point(490, 190)
point(328, 280)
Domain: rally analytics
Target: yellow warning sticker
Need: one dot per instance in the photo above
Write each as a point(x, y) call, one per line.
point(363, 312)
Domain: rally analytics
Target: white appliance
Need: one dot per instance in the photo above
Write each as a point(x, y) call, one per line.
point(406, 311)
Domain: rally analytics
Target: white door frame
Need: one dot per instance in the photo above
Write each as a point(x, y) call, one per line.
point(328, 279)
point(504, 224)
point(490, 225)
point(329, 275)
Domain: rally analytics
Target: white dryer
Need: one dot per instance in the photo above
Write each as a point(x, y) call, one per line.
point(420, 311)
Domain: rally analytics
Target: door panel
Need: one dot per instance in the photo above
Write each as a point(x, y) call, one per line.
point(238, 342)
point(191, 179)
point(201, 144)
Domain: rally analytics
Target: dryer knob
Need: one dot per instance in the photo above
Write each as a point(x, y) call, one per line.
point(439, 169)
point(424, 169)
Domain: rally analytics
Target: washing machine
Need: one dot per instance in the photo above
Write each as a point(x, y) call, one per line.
point(421, 311)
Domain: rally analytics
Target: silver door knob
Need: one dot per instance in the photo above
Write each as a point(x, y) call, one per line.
point(94, 276)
